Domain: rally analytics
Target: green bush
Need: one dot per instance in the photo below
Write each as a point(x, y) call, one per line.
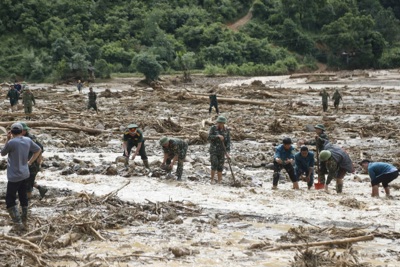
point(102, 69)
point(148, 65)
point(212, 70)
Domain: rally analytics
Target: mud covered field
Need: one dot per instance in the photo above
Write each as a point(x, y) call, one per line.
point(99, 212)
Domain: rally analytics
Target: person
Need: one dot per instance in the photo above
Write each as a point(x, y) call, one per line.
point(79, 86)
point(13, 95)
point(380, 172)
point(174, 149)
point(320, 138)
point(18, 149)
point(304, 165)
point(92, 100)
point(28, 100)
point(283, 159)
point(338, 163)
point(18, 87)
point(133, 137)
point(35, 167)
point(325, 97)
point(220, 146)
point(213, 102)
point(336, 99)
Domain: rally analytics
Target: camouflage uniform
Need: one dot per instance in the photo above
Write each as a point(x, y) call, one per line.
point(213, 103)
point(35, 167)
point(92, 100)
point(13, 95)
point(133, 140)
point(319, 144)
point(176, 147)
point(336, 98)
point(217, 151)
point(325, 97)
point(28, 100)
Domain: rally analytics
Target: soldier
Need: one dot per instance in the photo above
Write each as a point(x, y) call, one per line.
point(213, 102)
point(220, 146)
point(325, 97)
point(283, 158)
point(17, 148)
point(380, 172)
point(13, 95)
point(79, 86)
point(174, 149)
point(34, 168)
point(304, 162)
point(133, 137)
point(338, 163)
point(92, 100)
point(28, 100)
point(336, 99)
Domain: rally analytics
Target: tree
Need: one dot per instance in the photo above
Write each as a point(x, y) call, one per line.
point(148, 65)
point(102, 69)
point(186, 62)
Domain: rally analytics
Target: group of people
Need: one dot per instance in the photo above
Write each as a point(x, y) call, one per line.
point(28, 100)
point(336, 97)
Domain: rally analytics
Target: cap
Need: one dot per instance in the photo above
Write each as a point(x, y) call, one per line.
point(221, 119)
point(132, 125)
point(287, 141)
point(164, 140)
point(364, 161)
point(17, 126)
point(324, 155)
point(24, 126)
point(320, 126)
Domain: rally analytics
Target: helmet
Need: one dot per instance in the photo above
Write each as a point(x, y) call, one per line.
point(164, 140)
point(24, 126)
point(221, 119)
point(287, 141)
point(324, 155)
point(133, 125)
point(320, 126)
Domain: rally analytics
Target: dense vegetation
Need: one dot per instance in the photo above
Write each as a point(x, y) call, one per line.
point(61, 39)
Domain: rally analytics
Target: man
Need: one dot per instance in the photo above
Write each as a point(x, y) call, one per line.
point(13, 95)
point(28, 100)
point(220, 146)
point(213, 102)
point(283, 159)
point(18, 149)
point(35, 167)
point(79, 86)
point(304, 162)
point(92, 100)
point(174, 150)
point(338, 163)
point(133, 137)
point(336, 99)
point(380, 172)
point(325, 97)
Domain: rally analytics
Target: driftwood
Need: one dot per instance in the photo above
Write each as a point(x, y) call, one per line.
point(114, 192)
point(308, 75)
point(325, 243)
point(72, 127)
point(20, 240)
point(238, 101)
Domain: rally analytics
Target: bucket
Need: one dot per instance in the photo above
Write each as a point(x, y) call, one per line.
point(319, 186)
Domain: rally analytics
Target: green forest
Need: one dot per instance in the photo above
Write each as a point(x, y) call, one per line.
point(53, 40)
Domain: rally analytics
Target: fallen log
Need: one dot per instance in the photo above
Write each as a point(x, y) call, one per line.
point(22, 241)
point(325, 243)
point(237, 101)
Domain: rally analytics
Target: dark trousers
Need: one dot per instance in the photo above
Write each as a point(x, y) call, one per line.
point(299, 172)
point(325, 106)
point(11, 196)
point(385, 179)
point(278, 167)
point(213, 105)
point(142, 150)
point(30, 181)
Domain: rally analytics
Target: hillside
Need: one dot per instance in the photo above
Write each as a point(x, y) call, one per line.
point(58, 40)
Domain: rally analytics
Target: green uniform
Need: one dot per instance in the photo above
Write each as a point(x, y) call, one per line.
point(325, 97)
point(35, 167)
point(336, 98)
point(28, 100)
point(217, 151)
point(92, 100)
point(133, 140)
point(176, 147)
point(13, 95)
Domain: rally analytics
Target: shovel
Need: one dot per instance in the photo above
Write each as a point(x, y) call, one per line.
point(229, 163)
point(318, 185)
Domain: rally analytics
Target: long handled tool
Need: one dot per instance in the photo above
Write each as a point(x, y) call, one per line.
point(318, 185)
point(229, 163)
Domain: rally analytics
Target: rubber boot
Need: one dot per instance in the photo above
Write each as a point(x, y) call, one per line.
point(146, 164)
point(42, 190)
point(339, 188)
point(16, 218)
point(275, 180)
point(24, 216)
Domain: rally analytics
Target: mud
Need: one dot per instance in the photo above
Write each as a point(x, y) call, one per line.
point(82, 169)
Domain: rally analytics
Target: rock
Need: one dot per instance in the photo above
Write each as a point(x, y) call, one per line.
point(153, 218)
point(111, 170)
point(67, 171)
point(180, 252)
point(83, 172)
point(309, 128)
point(121, 159)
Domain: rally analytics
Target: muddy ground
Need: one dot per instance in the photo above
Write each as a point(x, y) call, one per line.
point(98, 212)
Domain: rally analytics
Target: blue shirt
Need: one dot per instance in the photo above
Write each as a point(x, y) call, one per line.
point(376, 169)
point(283, 154)
point(304, 163)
